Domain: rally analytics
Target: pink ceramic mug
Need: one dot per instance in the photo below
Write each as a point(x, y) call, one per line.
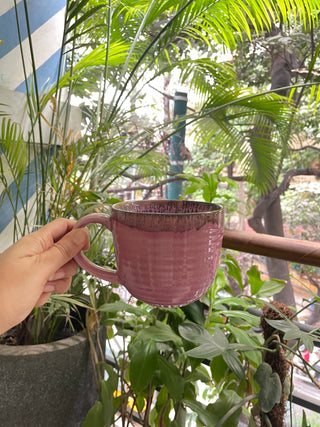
point(167, 251)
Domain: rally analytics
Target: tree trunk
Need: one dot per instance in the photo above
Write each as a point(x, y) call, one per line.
point(283, 63)
point(268, 208)
point(267, 218)
point(278, 268)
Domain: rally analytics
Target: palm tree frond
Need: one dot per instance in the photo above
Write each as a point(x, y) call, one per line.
point(13, 159)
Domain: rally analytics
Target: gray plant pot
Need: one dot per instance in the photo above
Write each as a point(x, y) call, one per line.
point(46, 385)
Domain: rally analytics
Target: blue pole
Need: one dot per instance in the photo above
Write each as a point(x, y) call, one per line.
point(174, 189)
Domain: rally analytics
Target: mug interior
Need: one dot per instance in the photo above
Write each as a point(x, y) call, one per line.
point(167, 207)
point(167, 215)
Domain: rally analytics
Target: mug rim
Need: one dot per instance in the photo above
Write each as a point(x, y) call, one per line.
point(216, 207)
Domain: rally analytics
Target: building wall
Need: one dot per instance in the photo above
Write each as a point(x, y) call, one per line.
point(46, 24)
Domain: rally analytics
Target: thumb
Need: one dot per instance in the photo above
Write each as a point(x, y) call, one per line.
point(65, 249)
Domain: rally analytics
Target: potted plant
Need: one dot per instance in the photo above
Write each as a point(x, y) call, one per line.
point(222, 360)
point(207, 362)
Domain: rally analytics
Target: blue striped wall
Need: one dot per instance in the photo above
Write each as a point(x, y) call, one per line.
point(46, 21)
point(46, 18)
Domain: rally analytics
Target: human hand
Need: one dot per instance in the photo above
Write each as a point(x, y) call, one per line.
point(36, 265)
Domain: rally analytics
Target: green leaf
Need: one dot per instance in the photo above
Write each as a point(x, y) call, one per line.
point(144, 357)
point(233, 269)
point(205, 351)
point(284, 325)
point(270, 387)
point(199, 374)
point(227, 401)
point(95, 416)
point(254, 280)
point(195, 312)
point(106, 395)
point(220, 339)
point(232, 360)
point(112, 375)
point(229, 181)
point(304, 420)
point(251, 319)
point(14, 158)
point(171, 378)
point(243, 337)
point(192, 188)
point(270, 288)
point(211, 346)
point(308, 341)
point(292, 331)
point(204, 415)
point(218, 368)
point(220, 168)
point(140, 402)
point(159, 332)
point(231, 301)
point(194, 333)
point(189, 177)
point(162, 398)
point(207, 195)
point(115, 307)
point(241, 347)
point(220, 282)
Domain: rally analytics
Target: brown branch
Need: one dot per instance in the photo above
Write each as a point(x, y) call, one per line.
point(307, 146)
point(266, 201)
point(170, 97)
point(262, 205)
point(291, 173)
point(146, 187)
point(138, 177)
point(166, 95)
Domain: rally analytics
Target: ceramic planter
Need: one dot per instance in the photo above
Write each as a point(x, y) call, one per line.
point(46, 385)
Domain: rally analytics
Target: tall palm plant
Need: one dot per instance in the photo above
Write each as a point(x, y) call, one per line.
point(115, 50)
point(260, 141)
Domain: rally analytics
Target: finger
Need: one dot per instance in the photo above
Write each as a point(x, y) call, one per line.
point(42, 239)
point(57, 228)
point(67, 270)
point(64, 250)
point(42, 299)
point(58, 286)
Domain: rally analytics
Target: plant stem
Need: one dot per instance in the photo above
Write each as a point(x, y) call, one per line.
point(148, 408)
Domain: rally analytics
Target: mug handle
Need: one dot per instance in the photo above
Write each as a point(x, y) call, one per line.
point(104, 273)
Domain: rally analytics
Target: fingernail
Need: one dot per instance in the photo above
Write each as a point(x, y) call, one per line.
point(48, 288)
point(60, 274)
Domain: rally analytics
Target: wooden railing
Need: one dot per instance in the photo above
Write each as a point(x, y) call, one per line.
point(299, 251)
point(294, 250)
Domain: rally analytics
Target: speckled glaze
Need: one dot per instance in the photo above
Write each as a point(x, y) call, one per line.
point(167, 251)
